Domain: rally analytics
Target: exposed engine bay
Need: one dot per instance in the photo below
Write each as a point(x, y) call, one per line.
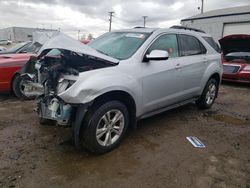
point(53, 72)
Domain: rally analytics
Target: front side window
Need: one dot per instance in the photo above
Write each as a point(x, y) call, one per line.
point(167, 42)
point(119, 45)
point(190, 45)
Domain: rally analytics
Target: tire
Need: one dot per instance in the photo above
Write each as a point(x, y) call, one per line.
point(17, 90)
point(208, 95)
point(110, 134)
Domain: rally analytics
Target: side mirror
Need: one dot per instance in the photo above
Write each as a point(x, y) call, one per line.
point(23, 52)
point(157, 55)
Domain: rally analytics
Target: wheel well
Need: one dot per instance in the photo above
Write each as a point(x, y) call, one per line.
point(121, 96)
point(216, 76)
point(11, 84)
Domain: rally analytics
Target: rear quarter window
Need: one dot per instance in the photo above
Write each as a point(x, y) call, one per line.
point(212, 43)
point(190, 45)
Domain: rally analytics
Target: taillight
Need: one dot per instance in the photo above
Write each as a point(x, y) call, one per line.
point(222, 58)
point(246, 68)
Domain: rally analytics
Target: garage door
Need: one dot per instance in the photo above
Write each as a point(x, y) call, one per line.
point(236, 28)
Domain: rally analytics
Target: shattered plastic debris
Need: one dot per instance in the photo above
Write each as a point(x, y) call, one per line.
point(195, 142)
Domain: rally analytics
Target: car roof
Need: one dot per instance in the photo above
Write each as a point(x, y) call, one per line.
point(138, 30)
point(162, 30)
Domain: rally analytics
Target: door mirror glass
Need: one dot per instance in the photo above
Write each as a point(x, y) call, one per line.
point(157, 55)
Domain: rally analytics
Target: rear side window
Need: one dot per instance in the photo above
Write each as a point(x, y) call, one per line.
point(212, 43)
point(190, 45)
point(166, 42)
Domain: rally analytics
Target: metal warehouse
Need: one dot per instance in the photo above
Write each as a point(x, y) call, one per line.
point(221, 22)
point(20, 34)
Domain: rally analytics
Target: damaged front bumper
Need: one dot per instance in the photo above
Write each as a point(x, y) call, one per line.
point(65, 115)
point(55, 109)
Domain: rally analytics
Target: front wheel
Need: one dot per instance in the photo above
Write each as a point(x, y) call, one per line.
point(18, 87)
point(106, 127)
point(208, 95)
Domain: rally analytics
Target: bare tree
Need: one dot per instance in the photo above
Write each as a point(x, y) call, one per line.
point(90, 36)
point(83, 37)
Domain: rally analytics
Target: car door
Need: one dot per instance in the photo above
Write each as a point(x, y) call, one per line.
point(192, 66)
point(160, 82)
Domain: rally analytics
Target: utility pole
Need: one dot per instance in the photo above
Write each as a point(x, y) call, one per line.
point(144, 20)
point(110, 19)
point(79, 34)
point(202, 6)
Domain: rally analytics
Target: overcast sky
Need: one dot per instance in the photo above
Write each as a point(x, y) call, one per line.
point(91, 16)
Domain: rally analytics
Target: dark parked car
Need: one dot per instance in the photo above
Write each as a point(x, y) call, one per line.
point(23, 47)
point(236, 58)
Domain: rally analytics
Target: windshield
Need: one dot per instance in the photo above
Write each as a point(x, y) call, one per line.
point(119, 45)
point(31, 48)
point(17, 47)
point(237, 56)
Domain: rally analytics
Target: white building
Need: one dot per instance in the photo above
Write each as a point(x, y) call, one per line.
point(221, 22)
point(20, 34)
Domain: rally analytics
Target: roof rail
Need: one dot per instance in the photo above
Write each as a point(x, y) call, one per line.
point(187, 28)
point(138, 27)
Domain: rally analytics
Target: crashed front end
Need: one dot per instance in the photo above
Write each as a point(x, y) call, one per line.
point(51, 106)
point(54, 71)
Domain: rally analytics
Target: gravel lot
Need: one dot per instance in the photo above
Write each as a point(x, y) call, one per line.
point(157, 154)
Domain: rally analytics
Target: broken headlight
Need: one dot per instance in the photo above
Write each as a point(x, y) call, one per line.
point(65, 82)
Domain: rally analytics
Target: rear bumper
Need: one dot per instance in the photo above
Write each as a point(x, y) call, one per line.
point(241, 77)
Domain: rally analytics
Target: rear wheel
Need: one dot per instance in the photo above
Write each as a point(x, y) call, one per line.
point(106, 127)
point(209, 94)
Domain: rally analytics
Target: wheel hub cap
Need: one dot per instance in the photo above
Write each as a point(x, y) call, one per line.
point(211, 93)
point(110, 127)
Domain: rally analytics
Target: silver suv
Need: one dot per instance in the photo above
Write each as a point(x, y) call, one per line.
point(105, 87)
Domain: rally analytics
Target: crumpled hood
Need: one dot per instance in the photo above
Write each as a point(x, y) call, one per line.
point(67, 43)
point(235, 43)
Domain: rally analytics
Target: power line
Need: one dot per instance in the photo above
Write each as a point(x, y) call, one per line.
point(110, 19)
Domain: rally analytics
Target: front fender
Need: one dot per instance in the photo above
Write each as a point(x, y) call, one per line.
point(91, 85)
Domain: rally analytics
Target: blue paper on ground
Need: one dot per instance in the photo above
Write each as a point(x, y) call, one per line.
point(195, 142)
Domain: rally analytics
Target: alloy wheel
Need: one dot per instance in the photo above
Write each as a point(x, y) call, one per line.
point(211, 93)
point(110, 127)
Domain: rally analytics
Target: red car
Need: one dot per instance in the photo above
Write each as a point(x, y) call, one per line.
point(85, 41)
point(236, 58)
point(10, 64)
